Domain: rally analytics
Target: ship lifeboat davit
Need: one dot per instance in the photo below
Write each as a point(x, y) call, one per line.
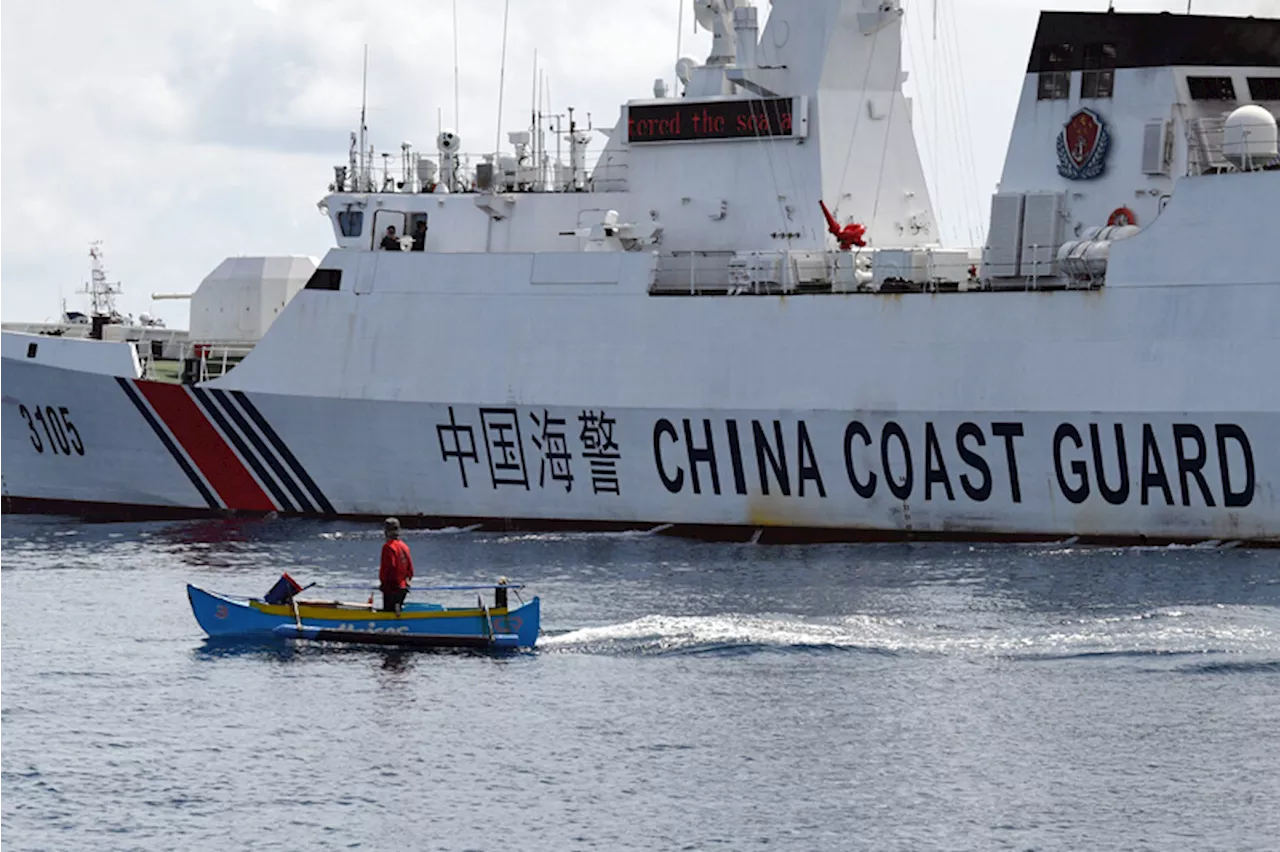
point(1086, 258)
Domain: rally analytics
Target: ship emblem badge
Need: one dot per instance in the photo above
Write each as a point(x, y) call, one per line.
point(1082, 146)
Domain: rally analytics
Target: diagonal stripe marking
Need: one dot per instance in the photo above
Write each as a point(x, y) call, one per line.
point(211, 454)
point(210, 408)
point(168, 443)
point(220, 399)
point(284, 451)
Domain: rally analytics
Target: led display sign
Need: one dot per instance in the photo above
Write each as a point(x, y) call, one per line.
point(677, 121)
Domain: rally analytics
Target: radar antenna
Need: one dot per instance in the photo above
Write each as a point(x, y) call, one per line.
point(102, 294)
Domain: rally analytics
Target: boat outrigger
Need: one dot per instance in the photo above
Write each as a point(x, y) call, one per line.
point(280, 613)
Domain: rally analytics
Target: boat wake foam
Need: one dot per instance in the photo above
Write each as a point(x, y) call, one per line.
point(1168, 632)
point(658, 634)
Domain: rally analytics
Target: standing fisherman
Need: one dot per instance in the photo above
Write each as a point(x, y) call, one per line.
point(397, 568)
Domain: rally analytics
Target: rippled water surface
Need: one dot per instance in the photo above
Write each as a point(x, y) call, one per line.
point(683, 696)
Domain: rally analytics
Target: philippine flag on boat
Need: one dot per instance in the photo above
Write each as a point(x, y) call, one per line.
point(1082, 146)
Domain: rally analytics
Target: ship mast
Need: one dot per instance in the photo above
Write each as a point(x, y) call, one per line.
point(365, 183)
point(102, 294)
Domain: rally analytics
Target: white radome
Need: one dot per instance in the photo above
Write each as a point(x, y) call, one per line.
point(1250, 138)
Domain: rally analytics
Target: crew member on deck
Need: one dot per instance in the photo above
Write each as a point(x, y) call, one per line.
point(397, 568)
point(391, 242)
point(419, 236)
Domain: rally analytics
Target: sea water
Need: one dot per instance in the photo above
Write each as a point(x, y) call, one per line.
point(683, 696)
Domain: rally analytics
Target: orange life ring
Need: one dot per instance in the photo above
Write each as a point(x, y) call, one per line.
point(1122, 216)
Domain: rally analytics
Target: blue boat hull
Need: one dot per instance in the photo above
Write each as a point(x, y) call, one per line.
point(417, 624)
point(399, 640)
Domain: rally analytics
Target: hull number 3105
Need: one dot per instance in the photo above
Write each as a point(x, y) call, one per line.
point(52, 428)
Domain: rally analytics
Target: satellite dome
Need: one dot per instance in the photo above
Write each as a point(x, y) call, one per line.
point(1249, 138)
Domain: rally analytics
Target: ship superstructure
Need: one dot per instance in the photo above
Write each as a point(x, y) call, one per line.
point(740, 322)
point(809, 110)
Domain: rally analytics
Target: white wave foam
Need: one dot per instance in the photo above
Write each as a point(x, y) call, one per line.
point(660, 632)
point(1165, 631)
point(413, 533)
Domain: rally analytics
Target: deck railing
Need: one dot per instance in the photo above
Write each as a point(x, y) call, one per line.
point(726, 273)
point(195, 362)
point(1204, 147)
point(601, 171)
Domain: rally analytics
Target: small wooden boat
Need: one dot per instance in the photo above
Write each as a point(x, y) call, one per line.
point(417, 625)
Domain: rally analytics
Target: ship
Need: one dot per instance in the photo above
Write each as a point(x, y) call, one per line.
point(740, 321)
point(102, 320)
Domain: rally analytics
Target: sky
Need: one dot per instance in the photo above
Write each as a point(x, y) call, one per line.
point(182, 133)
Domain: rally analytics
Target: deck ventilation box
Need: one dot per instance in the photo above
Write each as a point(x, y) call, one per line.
point(899, 265)
point(1042, 225)
point(1157, 148)
point(1004, 241)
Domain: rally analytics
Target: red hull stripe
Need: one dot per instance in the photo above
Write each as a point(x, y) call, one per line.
point(207, 449)
point(178, 455)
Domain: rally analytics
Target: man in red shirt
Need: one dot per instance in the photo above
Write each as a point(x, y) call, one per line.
point(397, 567)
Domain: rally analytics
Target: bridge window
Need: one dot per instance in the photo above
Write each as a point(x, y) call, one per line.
point(1054, 86)
point(350, 222)
point(1055, 79)
point(414, 219)
point(1099, 77)
point(1211, 88)
point(1264, 88)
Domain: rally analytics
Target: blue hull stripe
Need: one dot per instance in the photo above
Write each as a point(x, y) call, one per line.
point(289, 458)
point(168, 443)
point(289, 481)
point(277, 493)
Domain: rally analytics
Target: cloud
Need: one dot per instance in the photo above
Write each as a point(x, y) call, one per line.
point(182, 133)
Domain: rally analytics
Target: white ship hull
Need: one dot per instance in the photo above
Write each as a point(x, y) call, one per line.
point(946, 432)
